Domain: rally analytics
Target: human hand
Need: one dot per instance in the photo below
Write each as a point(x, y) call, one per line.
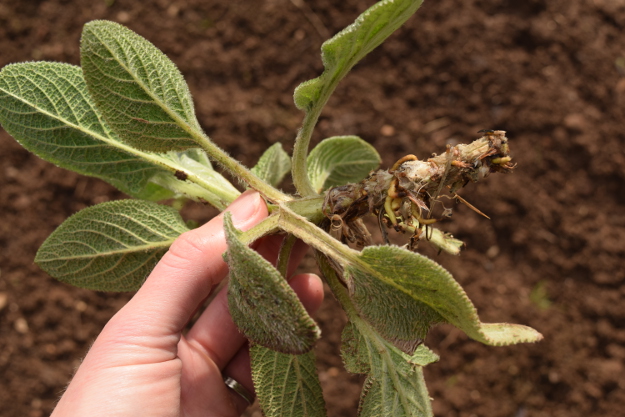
point(142, 365)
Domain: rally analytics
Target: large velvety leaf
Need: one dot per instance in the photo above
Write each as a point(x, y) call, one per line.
point(145, 100)
point(394, 384)
point(138, 90)
point(341, 160)
point(286, 385)
point(402, 293)
point(112, 246)
point(273, 165)
point(349, 46)
point(263, 305)
point(46, 108)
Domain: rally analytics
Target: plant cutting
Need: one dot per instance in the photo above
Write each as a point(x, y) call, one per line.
point(126, 116)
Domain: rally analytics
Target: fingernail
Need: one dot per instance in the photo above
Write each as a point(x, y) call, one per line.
point(245, 207)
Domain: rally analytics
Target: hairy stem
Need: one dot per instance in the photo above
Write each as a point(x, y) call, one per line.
point(315, 237)
point(267, 226)
point(302, 142)
point(237, 169)
point(282, 265)
point(299, 214)
point(335, 284)
point(300, 154)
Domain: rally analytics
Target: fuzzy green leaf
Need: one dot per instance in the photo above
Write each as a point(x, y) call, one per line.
point(139, 91)
point(346, 48)
point(340, 160)
point(273, 165)
point(45, 106)
point(402, 294)
point(263, 305)
point(286, 385)
point(394, 384)
point(339, 55)
point(112, 246)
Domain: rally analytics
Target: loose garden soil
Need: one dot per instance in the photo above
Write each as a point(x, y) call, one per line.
point(550, 73)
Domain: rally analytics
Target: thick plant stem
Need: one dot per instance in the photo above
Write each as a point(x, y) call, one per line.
point(267, 226)
point(304, 211)
point(308, 232)
point(238, 170)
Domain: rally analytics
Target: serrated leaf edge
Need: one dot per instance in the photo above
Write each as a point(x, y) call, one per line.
point(478, 331)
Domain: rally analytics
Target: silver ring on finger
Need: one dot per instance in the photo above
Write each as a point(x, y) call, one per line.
point(237, 387)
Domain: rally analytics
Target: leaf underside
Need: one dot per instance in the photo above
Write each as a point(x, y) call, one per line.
point(394, 384)
point(262, 304)
point(133, 101)
point(139, 91)
point(340, 160)
point(214, 189)
point(45, 106)
point(286, 385)
point(111, 246)
point(273, 165)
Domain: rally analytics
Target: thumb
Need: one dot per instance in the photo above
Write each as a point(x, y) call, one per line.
point(191, 268)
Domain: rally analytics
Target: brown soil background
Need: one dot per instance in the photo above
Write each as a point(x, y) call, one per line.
point(551, 73)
